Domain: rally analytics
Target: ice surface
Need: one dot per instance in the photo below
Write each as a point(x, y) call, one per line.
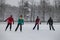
point(28, 34)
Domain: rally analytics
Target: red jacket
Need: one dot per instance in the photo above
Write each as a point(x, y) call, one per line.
point(10, 20)
point(37, 21)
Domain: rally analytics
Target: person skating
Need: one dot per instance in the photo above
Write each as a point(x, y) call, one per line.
point(50, 22)
point(20, 23)
point(9, 20)
point(37, 22)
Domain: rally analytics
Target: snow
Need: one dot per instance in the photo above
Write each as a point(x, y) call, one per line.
point(28, 34)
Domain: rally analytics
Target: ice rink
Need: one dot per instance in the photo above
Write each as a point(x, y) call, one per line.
point(28, 34)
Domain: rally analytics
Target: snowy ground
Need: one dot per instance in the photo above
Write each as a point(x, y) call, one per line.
point(28, 34)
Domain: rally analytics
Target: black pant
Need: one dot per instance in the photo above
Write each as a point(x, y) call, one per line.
point(18, 26)
point(8, 26)
point(35, 26)
point(51, 27)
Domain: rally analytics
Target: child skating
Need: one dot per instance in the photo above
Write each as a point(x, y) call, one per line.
point(50, 22)
point(20, 23)
point(37, 22)
point(9, 20)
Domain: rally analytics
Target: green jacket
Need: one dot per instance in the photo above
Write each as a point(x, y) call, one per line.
point(20, 21)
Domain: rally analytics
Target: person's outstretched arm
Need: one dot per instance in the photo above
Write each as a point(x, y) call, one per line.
point(6, 20)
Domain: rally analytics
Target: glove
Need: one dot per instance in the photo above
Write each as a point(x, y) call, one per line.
point(40, 22)
point(13, 22)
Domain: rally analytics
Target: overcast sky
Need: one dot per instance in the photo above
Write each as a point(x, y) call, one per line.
point(15, 2)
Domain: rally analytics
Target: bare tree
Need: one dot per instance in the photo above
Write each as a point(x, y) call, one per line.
point(2, 9)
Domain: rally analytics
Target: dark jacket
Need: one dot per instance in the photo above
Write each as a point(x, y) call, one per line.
point(50, 21)
point(37, 21)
